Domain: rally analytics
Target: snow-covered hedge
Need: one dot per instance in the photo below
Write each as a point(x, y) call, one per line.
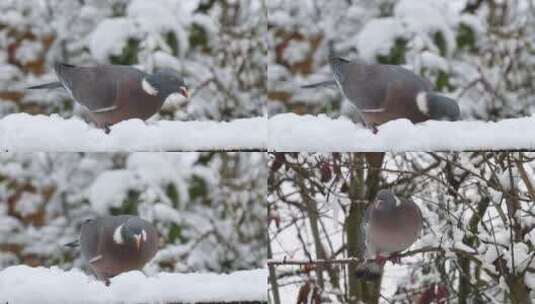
point(24, 284)
point(207, 207)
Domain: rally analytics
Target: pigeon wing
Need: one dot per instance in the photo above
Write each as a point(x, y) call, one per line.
point(364, 86)
point(90, 240)
point(94, 87)
point(367, 85)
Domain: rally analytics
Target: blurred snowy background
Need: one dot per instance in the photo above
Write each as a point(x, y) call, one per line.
point(218, 46)
point(477, 245)
point(208, 207)
point(481, 53)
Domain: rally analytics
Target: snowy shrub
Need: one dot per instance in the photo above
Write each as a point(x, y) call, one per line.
point(477, 244)
point(217, 45)
point(478, 52)
point(208, 207)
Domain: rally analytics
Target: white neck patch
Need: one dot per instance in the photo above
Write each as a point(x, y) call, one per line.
point(148, 88)
point(118, 236)
point(398, 202)
point(143, 235)
point(421, 103)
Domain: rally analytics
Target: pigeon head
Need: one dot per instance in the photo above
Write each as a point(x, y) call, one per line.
point(165, 83)
point(336, 63)
point(131, 233)
point(438, 107)
point(386, 201)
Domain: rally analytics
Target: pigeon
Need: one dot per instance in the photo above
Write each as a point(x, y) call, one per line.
point(113, 93)
point(382, 93)
point(390, 226)
point(111, 245)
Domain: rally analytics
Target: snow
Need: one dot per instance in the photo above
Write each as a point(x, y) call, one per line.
point(24, 132)
point(28, 51)
point(412, 18)
point(291, 132)
point(166, 213)
point(163, 59)
point(23, 284)
point(425, 17)
point(154, 168)
point(519, 257)
point(145, 12)
point(110, 37)
point(378, 36)
point(110, 189)
point(296, 51)
point(29, 203)
point(432, 60)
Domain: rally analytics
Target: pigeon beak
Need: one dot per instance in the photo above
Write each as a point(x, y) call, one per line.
point(184, 92)
point(138, 241)
point(379, 204)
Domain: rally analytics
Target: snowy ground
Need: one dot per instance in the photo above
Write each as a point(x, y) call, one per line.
point(23, 284)
point(291, 132)
point(23, 132)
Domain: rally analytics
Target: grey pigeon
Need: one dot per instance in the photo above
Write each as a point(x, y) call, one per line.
point(390, 225)
point(386, 92)
point(113, 93)
point(114, 244)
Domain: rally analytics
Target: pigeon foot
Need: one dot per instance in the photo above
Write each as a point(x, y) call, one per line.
point(107, 129)
point(381, 260)
point(395, 258)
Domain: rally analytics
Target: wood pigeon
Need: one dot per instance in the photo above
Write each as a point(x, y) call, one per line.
point(114, 244)
point(113, 93)
point(383, 92)
point(390, 226)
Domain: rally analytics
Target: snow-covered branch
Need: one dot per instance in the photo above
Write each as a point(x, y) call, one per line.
point(23, 132)
point(360, 261)
point(291, 132)
point(24, 284)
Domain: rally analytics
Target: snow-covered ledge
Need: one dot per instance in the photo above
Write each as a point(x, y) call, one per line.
point(23, 284)
point(24, 132)
point(291, 132)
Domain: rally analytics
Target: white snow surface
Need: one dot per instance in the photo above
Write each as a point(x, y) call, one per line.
point(145, 12)
point(110, 36)
point(308, 133)
point(23, 132)
point(110, 189)
point(378, 36)
point(23, 284)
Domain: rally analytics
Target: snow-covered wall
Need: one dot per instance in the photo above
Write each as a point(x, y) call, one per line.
point(291, 132)
point(283, 132)
point(23, 132)
point(27, 285)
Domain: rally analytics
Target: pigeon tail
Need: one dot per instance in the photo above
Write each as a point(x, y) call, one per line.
point(332, 51)
point(73, 244)
point(51, 85)
point(326, 83)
